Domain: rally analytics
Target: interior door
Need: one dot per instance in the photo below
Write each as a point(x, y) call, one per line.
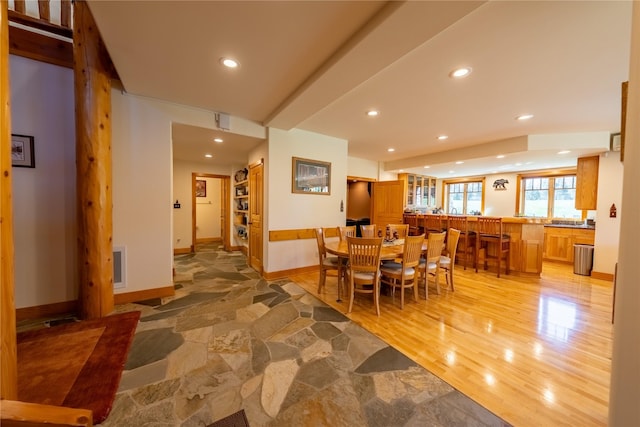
point(387, 203)
point(256, 185)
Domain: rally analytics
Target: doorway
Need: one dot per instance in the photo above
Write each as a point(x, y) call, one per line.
point(210, 210)
point(358, 202)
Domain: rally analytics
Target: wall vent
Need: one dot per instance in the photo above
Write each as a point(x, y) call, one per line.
point(119, 267)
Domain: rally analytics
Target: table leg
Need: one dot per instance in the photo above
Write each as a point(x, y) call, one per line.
point(342, 263)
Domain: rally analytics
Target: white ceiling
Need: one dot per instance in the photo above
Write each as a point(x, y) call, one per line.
point(320, 65)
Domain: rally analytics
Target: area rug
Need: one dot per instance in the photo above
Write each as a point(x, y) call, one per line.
point(237, 419)
point(77, 365)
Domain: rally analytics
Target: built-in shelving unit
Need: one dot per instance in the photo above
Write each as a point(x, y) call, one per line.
point(241, 207)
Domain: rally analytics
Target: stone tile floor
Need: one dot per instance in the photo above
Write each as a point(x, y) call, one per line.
point(230, 340)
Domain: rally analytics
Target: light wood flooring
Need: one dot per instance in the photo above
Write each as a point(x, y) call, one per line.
point(535, 351)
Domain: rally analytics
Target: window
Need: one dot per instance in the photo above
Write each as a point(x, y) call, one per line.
point(463, 197)
point(549, 196)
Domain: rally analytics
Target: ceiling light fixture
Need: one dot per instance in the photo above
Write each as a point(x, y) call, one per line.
point(373, 113)
point(229, 63)
point(459, 162)
point(500, 156)
point(564, 152)
point(524, 117)
point(442, 137)
point(460, 72)
point(218, 140)
point(427, 167)
point(208, 156)
point(391, 150)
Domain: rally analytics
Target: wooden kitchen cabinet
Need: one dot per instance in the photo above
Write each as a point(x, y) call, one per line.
point(587, 183)
point(419, 190)
point(559, 241)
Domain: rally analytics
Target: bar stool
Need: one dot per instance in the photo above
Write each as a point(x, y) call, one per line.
point(492, 241)
point(434, 223)
point(467, 243)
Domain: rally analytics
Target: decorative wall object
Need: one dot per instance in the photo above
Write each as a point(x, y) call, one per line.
point(310, 176)
point(500, 184)
point(201, 188)
point(22, 154)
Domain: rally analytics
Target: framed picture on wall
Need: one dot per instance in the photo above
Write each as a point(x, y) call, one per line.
point(22, 154)
point(201, 188)
point(310, 176)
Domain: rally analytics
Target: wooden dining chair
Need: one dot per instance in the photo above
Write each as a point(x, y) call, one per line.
point(346, 231)
point(401, 230)
point(448, 258)
point(403, 275)
point(327, 263)
point(466, 251)
point(363, 272)
point(369, 231)
point(492, 242)
point(430, 264)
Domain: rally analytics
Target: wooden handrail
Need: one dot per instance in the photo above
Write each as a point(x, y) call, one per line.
point(23, 414)
point(43, 21)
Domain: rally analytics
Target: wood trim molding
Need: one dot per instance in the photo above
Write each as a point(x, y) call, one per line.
point(299, 234)
point(272, 275)
point(146, 294)
point(40, 47)
point(181, 251)
point(208, 239)
point(24, 414)
point(602, 276)
point(47, 310)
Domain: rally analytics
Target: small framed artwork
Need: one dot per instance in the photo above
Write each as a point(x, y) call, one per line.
point(22, 154)
point(310, 176)
point(201, 188)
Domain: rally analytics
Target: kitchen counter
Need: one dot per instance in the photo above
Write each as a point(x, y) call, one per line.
point(579, 226)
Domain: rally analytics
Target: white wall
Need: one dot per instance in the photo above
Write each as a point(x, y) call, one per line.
point(500, 202)
point(363, 168)
point(287, 210)
point(610, 177)
point(44, 198)
point(143, 212)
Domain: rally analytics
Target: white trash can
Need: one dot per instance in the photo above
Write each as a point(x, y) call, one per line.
point(582, 259)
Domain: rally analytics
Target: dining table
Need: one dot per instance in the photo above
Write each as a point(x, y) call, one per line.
point(391, 249)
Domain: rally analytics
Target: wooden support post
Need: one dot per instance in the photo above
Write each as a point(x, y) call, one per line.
point(93, 157)
point(8, 349)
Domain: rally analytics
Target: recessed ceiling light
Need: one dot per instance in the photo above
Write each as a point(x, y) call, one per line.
point(500, 156)
point(391, 150)
point(524, 117)
point(460, 72)
point(442, 137)
point(564, 152)
point(452, 171)
point(229, 63)
point(459, 162)
point(217, 140)
point(494, 171)
point(400, 170)
point(373, 113)
point(208, 156)
point(518, 164)
point(427, 167)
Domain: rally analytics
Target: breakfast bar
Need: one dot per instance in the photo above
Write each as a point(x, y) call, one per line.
point(526, 242)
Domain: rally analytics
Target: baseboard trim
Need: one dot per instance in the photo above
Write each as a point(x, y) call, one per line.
point(47, 310)
point(209, 239)
point(181, 251)
point(602, 276)
point(272, 275)
point(146, 294)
